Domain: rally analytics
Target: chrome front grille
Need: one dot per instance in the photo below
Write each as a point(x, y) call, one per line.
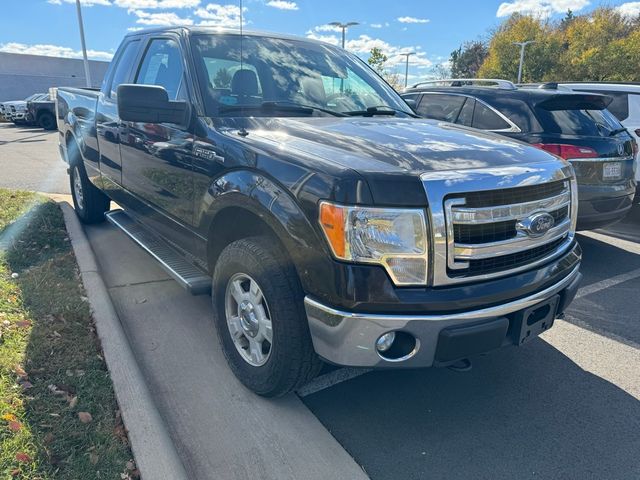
point(493, 222)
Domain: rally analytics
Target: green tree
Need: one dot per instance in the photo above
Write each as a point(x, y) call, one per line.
point(600, 46)
point(467, 60)
point(541, 58)
point(377, 59)
point(222, 78)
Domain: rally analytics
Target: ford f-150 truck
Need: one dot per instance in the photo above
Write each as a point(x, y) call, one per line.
point(287, 179)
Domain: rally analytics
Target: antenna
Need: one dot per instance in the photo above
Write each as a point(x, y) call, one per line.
point(242, 131)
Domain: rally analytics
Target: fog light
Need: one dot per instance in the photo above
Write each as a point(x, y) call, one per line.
point(385, 341)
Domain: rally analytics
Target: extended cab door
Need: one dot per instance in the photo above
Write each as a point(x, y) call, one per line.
point(157, 157)
point(108, 122)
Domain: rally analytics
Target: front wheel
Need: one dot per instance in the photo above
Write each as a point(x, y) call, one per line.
point(89, 202)
point(260, 319)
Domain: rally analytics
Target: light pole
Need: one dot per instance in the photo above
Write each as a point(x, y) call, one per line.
point(344, 27)
point(87, 72)
point(522, 46)
point(406, 68)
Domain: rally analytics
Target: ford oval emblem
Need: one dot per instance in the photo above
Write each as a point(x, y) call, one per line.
point(537, 224)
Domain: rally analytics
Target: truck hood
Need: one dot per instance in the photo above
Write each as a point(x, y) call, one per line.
point(388, 144)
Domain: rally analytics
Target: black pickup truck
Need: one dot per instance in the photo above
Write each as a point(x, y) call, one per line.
point(287, 179)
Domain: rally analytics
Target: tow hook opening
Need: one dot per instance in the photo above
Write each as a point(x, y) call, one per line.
point(463, 365)
point(396, 346)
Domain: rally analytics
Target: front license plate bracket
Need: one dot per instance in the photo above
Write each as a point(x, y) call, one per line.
point(535, 320)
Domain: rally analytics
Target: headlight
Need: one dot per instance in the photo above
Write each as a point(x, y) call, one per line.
point(395, 238)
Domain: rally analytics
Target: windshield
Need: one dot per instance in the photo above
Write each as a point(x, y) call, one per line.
point(288, 72)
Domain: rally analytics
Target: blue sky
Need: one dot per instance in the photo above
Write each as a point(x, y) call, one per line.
point(431, 28)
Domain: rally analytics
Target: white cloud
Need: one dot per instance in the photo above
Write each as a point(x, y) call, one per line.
point(52, 51)
point(629, 9)
point(364, 44)
point(542, 8)
point(332, 39)
point(162, 19)
point(153, 4)
point(221, 15)
point(413, 20)
point(86, 3)
point(283, 5)
point(327, 28)
point(375, 25)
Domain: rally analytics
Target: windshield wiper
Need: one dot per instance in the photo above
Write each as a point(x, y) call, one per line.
point(379, 110)
point(617, 131)
point(280, 106)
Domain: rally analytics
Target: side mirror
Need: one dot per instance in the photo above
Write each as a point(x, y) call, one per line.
point(149, 104)
point(411, 102)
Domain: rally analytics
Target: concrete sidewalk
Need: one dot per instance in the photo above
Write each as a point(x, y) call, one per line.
point(220, 429)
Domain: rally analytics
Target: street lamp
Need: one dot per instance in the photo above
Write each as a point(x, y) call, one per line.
point(522, 46)
point(406, 68)
point(87, 72)
point(344, 27)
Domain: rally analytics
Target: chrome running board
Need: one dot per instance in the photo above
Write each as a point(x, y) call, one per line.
point(192, 278)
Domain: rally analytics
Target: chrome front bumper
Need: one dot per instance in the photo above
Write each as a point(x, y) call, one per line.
point(348, 339)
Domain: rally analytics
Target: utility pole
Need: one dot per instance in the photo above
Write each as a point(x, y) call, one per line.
point(406, 68)
point(344, 27)
point(87, 72)
point(522, 47)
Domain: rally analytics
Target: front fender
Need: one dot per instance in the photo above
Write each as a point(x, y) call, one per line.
point(272, 203)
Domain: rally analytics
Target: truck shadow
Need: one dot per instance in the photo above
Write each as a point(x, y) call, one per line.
point(520, 413)
point(612, 310)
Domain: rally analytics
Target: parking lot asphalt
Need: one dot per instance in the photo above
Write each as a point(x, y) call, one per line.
point(29, 159)
point(564, 406)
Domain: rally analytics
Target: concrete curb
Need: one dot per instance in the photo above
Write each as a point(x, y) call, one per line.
point(154, 451)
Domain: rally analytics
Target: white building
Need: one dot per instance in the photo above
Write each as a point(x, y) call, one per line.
point(23, 75)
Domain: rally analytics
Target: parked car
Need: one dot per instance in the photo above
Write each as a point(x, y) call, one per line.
point(16, 110)
point(573, 125)
point(326, 219)
point(42, 112)
point(625, 105)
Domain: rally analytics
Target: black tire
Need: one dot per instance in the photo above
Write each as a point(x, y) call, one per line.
point(292, 360)
point(47, 121)
point(93, 204)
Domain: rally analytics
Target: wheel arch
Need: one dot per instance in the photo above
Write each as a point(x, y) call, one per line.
point(246, 203)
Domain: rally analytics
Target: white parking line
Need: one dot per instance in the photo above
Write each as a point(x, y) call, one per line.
point(330, 379)
point(608, 283)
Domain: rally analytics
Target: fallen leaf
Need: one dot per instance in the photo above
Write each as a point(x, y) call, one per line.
point(23, 323)
point(26, 385)
point(73, 401)
point(23, 457)
point(9, 417)
point(20, 371)
point(93, 458)
point(14, 275)
point(85, 417)
point(15, 426)
point(131, 465)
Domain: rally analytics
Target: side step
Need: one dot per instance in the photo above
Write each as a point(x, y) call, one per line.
point(185, 273)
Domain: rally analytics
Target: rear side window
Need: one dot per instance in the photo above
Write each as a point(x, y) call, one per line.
point(620, 104)
point(486, 119)
point(440, 107)
point(162, 65)
point(466, 114)
point(593, 123)
point(123, 67)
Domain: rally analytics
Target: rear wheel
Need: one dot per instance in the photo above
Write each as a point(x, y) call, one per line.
point(260, 319)
point(89, 202)
point(47, 121)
